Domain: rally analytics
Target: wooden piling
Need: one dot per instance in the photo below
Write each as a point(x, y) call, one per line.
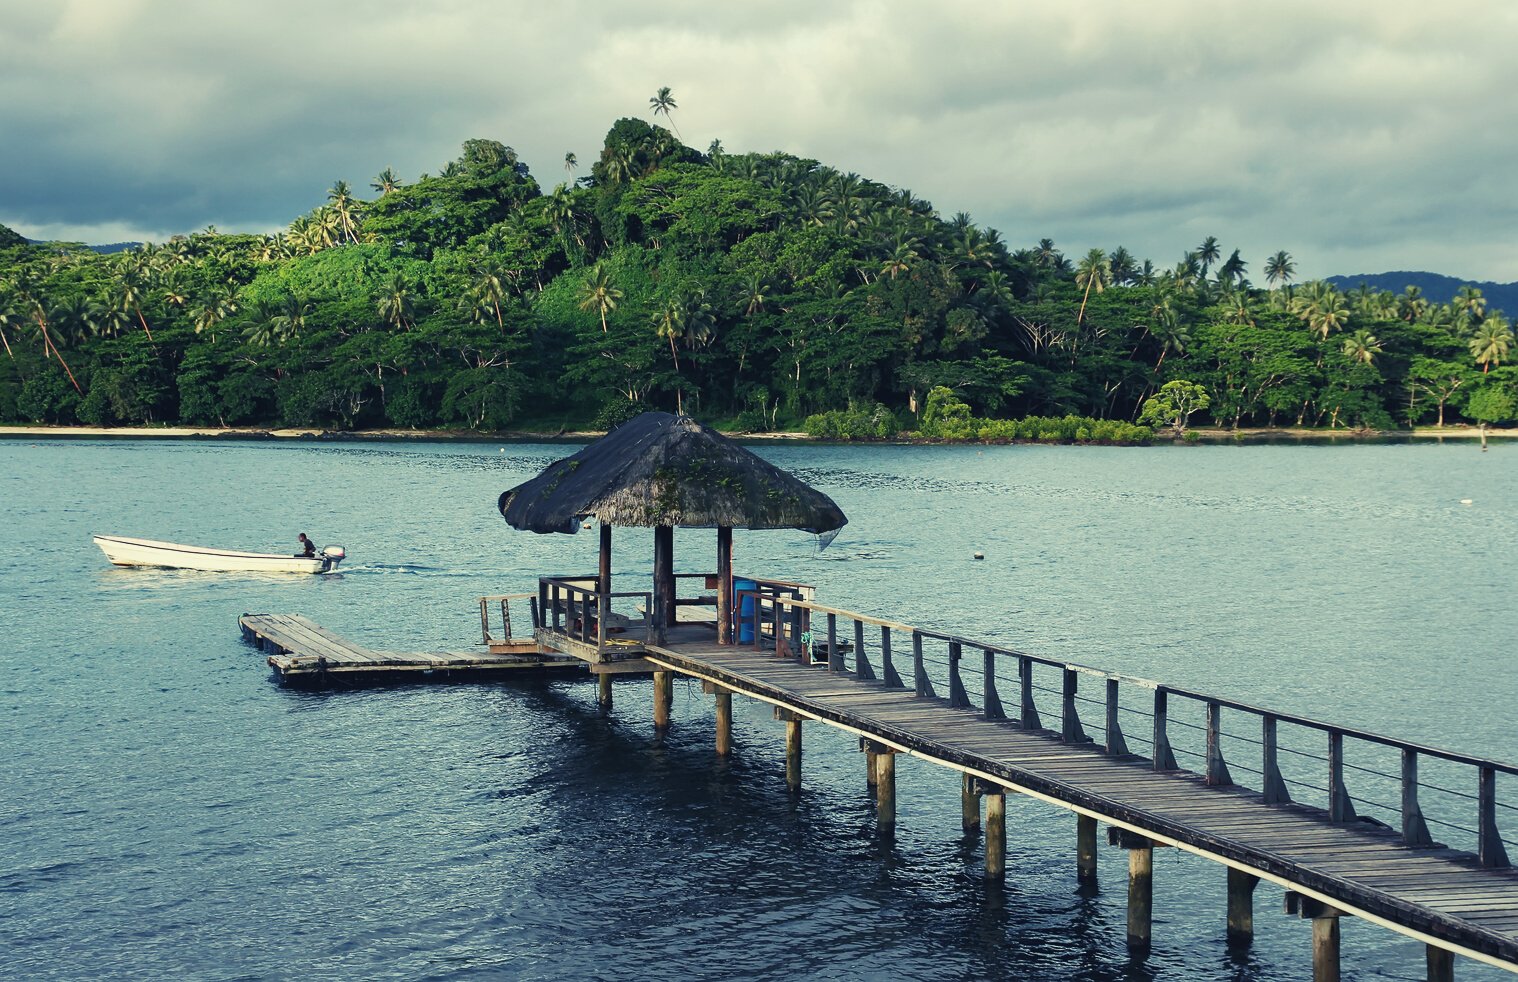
point(1140, 896)
point(996, 835)
point(1441, 964)
point(793, 753)
point(1241, 906)
point(603, 692)
point(664, 694)
point(1325, 947)
point(885, 789)
point(724, 722)
point(969, 805)
point(1085, 848)
point(870, 755)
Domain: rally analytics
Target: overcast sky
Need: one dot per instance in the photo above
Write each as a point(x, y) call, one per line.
point(1358, 136)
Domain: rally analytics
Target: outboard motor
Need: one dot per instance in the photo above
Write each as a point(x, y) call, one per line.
point(331, 556)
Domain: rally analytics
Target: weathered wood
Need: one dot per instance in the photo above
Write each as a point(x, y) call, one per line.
point(1027, 713)
point(1085, 848)
point(1163, 759)
point(991, 707)
point(1115, 745)
point(1440, 963)
point(862, 669)
point(1414, 828)
point(1340, 808)
point(835, 656)
point(885, 790)
point(1241, 886)
point(1275, 791)
point(887, 666)
point(603, 693)
point(1140, 897)
point(724, 584)
point(664, 693)
point(996, 835)
point(1070, 720)
point(969, 803)
point(1325, 948)
point(958, 698)
point(724, 698)
point(1217, 768)
point(793, 754)
point(1490, 848)
point(920, 681)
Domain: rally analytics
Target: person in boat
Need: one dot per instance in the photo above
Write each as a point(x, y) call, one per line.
point(308, 548)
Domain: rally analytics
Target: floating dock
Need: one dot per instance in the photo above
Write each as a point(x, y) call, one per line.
point(302, 652)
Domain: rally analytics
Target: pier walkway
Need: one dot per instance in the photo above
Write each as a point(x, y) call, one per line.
point(1331, 861)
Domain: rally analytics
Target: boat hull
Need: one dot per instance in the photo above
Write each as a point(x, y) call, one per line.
point(125, 551)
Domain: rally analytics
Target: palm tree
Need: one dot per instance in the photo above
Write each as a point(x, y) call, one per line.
point(663, 102)
point(27, 290)
point(1232, 270)
point(1470, 304)
point(1279, 268)
point(1362, 347)
point(395, 304)
point(263, 330)
point(900, 254)
point(754, 289)
point(129, 294)
point(598, 293)
point(669, 324)
point(344, 208)
point(1207, 253)
point(291, 318)
point(205, 318)
point(1095, 272)
point(385, 182)
point(489, 290)
point(1491, 343)
point(1412, 304)
point(570, 163)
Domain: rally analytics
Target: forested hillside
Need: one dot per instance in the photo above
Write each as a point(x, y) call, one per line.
point(748, 289)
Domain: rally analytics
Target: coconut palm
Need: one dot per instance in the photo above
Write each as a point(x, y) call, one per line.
point(385, 182)
point(570, 163)
point(1279, 268)
point(669, 324)
point(1233, 269)
point(1412, 304)
point(755, 288)
point(1470, 304)
point(129, 291)
point(395, 303)
point(344, 209)
point(1093, 272)
point(663, 102)
point(900, 253)
point(1362, 346)
point(1491, 342)
point(28, 293)
point(598, 294)
point(489, 289)
point(1207, 253)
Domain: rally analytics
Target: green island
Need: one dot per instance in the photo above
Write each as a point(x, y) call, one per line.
point(757, 292)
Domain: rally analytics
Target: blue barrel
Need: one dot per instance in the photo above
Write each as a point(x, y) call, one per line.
point(745, 608)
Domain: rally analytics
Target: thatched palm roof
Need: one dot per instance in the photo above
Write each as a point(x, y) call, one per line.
point(660, 469)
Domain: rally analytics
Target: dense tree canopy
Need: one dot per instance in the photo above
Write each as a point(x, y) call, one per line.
point(755, 289)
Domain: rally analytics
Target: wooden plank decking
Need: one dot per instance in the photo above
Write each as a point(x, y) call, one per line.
point(301, 650)
point(1438, 895)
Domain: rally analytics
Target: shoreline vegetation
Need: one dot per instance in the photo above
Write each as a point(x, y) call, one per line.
point(757, 292)
point(1206, 435)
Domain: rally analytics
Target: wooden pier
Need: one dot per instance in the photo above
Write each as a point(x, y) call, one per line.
point(1331, 863)
point(305, 653)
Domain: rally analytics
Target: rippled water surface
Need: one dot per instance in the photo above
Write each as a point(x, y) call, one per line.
point(167, 810)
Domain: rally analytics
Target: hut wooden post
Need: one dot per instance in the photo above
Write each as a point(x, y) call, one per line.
point(664, 579)
point(603, 606)
point(724, 584)
point(664, 694)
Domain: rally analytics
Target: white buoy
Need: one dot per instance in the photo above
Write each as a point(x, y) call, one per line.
point(980, 555)
point(1465, 501)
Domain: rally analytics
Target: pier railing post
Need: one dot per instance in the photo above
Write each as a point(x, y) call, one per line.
point(1340, 808)
point(958, 698)
point(1217, 767)
point(1164, 759)
point(862, 669)
point(1116, 746)
point(991, 704)
point(1070, 720)
point(1490, 849)
point(1414, 828)
point(920, 680)
point(887, 667)
point(1027, 713)
point(1275, 786)
point(835, 656)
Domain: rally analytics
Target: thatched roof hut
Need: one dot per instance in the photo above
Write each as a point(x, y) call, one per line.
point(661, 471)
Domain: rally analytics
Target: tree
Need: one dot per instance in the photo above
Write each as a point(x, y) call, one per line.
point(1362, 347)
point(1491, 342)
point(570, 163)
point(1490, 404)
point(663, 102)
point(344, 208)
point(1279, 268)
point(385, 182)
point(1208, 253)
point(598, 293)
point(1093, 271)
point(396, 304)
point(1174, 404)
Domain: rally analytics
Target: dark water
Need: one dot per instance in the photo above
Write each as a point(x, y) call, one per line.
point(167, 811)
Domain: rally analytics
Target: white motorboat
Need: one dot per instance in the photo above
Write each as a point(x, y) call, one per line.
point(124, 551)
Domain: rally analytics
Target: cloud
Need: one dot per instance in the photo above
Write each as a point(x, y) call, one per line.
point(1358, 136)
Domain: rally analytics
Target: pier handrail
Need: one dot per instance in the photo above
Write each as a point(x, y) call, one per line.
point(504, 599)
point(786, 623)
point(593, 605)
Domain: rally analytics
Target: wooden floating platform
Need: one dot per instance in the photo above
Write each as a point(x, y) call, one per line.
point(302, 652)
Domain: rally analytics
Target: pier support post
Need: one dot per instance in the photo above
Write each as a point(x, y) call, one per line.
point(793, 753)
point(1140, 886)
point(1441, 964)
point(885, 789)
point(1241, 906)
point(1325, 934)
point(603, 692)
point(869, 763)
point(664, 695)
point(1085, 848)
point(996, 835)
point(724, 722)
point(724, 584)
point(969, 805)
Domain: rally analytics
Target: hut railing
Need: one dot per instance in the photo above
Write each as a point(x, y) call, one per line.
point(1355, 775)
point(567, 606)
point(502, 603)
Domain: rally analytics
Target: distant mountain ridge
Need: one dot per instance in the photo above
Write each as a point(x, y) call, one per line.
point(107, 249)
point(1437, 287)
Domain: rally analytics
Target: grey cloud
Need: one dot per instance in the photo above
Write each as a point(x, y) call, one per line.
point(1355, 135)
